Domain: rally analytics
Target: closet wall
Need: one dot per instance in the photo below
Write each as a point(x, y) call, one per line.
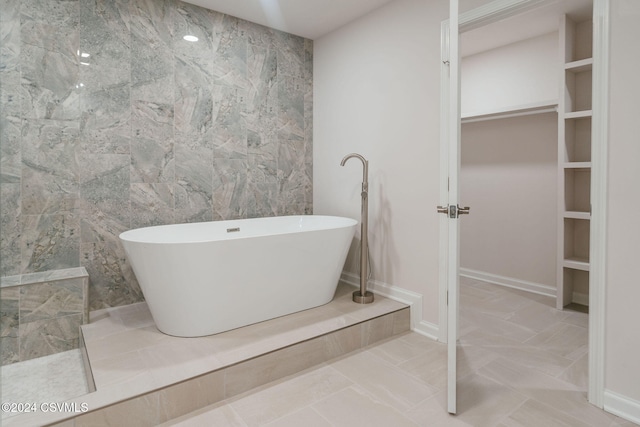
point(517, 74)
point(509, 164)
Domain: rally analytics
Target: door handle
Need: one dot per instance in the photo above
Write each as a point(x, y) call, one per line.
point(454, 211)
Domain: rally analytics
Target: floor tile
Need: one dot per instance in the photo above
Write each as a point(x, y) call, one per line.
point(268, 403)
point(433, 413)
point(383, 381)
point(577, 373)
point(307, 417)
point(535, 414)
point(563, 339)
point(355, 407)
point(484, 402)
point(214, 415)
point(514, 370)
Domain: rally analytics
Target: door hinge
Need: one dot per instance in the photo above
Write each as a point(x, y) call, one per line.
point(447, 297)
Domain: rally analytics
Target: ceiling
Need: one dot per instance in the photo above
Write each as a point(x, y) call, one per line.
point(307, 18)
point(315, 18)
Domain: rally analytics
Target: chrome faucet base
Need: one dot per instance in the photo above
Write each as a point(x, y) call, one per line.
point(360, 299)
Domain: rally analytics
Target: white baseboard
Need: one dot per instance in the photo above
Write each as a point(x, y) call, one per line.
point(412, 299)
point(427, 329)
point(523, 285)
point(622, 406)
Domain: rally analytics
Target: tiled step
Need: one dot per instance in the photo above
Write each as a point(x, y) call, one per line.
point(138, 370)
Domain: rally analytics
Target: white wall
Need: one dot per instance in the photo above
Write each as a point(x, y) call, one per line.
point(517, 74)
point(622, 374)
point(377, 92)
point(509, 178)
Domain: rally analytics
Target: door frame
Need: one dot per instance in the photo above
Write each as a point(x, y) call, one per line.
point(492, 12)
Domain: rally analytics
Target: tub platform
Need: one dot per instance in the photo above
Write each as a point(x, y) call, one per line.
point(142, 373)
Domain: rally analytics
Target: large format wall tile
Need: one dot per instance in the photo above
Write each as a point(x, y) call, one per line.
point(10, 125)
point(110, 120)
point(50, 300)
point(50, 242)
point(44, 337)
point(10, 230)
point(194, 178)
point(50, 169)
point(105, 77)
point(9, 324)
point(41, 313)
point(49, 71)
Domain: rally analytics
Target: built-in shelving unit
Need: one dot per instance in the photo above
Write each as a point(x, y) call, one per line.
point(574, 162)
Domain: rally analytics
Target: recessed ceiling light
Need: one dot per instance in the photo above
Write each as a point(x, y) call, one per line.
point(190, 38)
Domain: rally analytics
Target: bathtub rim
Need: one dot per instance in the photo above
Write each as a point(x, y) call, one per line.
point(141, 235)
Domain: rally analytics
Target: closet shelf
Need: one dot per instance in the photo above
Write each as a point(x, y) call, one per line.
point(579, 66)
point(577, 215)
point(576, 263)
point(578, 114)
point(550, 106)
point(577, 165)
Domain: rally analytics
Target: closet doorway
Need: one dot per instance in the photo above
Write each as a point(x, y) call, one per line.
point(524, 178)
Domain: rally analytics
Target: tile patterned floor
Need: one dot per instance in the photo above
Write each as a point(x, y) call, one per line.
point(521, 363)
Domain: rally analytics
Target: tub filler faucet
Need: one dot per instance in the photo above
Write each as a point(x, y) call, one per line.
point(363, 296)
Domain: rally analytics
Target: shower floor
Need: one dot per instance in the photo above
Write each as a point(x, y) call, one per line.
point(54, 378)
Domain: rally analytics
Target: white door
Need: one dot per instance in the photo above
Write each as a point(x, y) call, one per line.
point(452, 209)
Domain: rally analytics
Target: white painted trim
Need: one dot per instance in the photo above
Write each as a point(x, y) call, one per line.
point(598, 239)
point(444, 182)
point(497, 10)
point(428, 330)
point(509, 282)
point(412, 299)
point(622, 406)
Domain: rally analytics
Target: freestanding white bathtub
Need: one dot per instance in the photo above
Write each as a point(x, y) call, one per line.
point(209, 277)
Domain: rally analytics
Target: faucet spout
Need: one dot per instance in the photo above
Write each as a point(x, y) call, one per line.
point(365, 169)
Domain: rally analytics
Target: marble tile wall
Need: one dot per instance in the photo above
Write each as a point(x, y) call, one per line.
point(110, 120)
point(41, 315)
